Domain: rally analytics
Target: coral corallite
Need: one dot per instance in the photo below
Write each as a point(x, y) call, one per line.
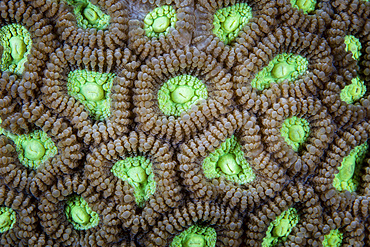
point(184, 123)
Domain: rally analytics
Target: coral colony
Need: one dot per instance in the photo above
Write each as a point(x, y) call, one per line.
point(184, 123)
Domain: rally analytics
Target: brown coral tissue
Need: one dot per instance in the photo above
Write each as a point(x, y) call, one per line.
point(132, 123)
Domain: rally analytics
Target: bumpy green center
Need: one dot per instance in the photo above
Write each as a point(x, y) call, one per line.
point(79, 215)
point(195, 236)
point(159, 21)
point(229, 21)
point(347, 177)
point(92, 91)
point(282, 70)
point(333, 239)
point(180, 93)
point(18, 48)
point(16, 43)
point(137, 174)
point(194, 240)
point(7, 219)
point(228, 160)
point(34, 150)
point(354, 91)
point(295, 131)
point(161, 24)
point(353, 45)
point(137, 171)
point(281, 227)
point(281, 67)
point(228, 164)
point(89, 15)
point(306, 5)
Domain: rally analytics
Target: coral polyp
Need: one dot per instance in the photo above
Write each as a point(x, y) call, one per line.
point(34, 148)
point(307, 6)
point(228, 21)
point(93, 90)
point(80, 214)
point(280, 228)
point(159, 21)
point(137, 171)
point(195, 235)
point(228, 160)
point(89, 15)
point(16, 43)
point(193, 123)
point(347, 177)
point(7, 219)
point(180, 93)
point(282, 67)
point(295, 131)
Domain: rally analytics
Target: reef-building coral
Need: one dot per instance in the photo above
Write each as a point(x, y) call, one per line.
point(184, 123)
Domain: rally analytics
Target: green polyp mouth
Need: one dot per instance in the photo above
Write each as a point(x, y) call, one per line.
point(92, 91)
point(354, 91)
point(79, 215)
point(282, 67)
point(16, 43)
point(180, 93)
point(306, 5)
point(137, 171)
point(90, 15)
point(281, 70)
point(353, 45)
point(228, 164)
point(194, 240)
point(34, 150)
point(161, 24)
point(195, 236)
point(7, 219)
point(295, 132)
point(229, 21)
point(18, 48)
point(137, 174)
point(228, 160)
point(349, 172)
point(333, 239)
point(280, 228)
point(347, 169)
point(159, 21)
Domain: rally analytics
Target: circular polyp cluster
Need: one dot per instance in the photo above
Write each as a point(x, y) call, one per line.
point(229, 21)
point(180, 93)
point(16, 42)
point(159, 21)
point(80, 214)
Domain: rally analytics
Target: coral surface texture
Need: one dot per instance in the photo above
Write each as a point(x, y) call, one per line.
point(185, 123)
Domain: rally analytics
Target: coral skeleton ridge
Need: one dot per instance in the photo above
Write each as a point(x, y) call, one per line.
point(187, 123)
